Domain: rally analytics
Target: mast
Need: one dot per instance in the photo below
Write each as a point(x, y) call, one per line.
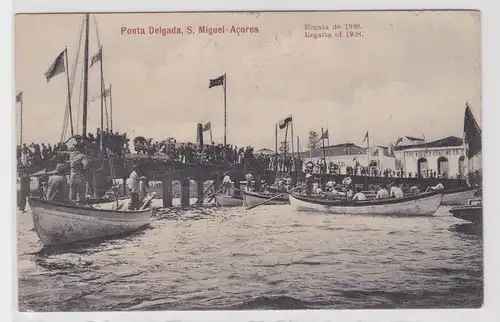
point(291, 139)
point(276, 147)
point(111, 109)
point(225, 109)
point(69, 91)
point(324, 152)
point(102, 103)
point(85, 76)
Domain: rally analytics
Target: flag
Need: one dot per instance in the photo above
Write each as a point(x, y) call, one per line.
point(105, 94)
point(57, 67)
point(206, 127)
point(400, 139)
point(284, 122)
point(19, 97)
point(217, 81)
point(366, 137)
point(472, 134)
point(411, 138)
point(96, 58)
point(324, 136)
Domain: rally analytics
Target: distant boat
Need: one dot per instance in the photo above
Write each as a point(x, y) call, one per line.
point(424, 204)
point(60, 223)
point(228, 201)
point(458, 196)
point(473, 212)
point(251, 199)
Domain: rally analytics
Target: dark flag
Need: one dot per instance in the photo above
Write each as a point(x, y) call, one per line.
point(96, 58)
point(366, 137)
point(472, 134)
point(57, 67)
point(19, 97)
point(217, 81)
point(207, 127)
point(324, 136)
point(284, 122)
point(413, 139)
point(400, 139)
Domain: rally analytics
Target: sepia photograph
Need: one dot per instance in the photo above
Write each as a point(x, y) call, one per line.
point(248, 160)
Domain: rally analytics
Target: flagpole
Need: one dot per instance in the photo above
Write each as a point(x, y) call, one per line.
point(323, 142)
point(225, 110)
point(21, 136)
point(69, 90)
point(102, 103)
point(276, 146)
point(211, 133)
point(85, 76)
point(284, 148)
point(110, 107)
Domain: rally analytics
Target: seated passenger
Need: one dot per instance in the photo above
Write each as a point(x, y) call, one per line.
point(382, 193)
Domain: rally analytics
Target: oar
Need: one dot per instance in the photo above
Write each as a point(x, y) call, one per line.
point(278, 195)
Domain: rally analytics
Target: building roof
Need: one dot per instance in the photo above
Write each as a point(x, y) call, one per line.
point(445, 142)
point(335, 150)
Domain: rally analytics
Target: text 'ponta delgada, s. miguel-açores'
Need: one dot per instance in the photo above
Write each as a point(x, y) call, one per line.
point(189, 29)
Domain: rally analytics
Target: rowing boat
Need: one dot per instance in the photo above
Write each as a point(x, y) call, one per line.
point(424, 204)
point(473, 212)
point(458, 196)
point(60, 223)
point(251, 199)
point(228, 201)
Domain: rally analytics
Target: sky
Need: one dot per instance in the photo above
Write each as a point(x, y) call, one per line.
point(410, 74)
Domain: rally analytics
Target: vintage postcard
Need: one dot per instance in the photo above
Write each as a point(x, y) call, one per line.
point(248, 161)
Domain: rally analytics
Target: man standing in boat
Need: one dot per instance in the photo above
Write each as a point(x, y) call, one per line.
point(79, 164)
point(134, 185)
point(57, 186)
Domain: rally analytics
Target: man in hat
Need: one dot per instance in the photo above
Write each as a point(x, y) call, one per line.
point(79, 164)
point(226, 184)
point(133, 183)
point(57, 186)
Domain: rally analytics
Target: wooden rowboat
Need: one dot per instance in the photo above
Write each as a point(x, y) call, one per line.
point(228, 201)
point(424, 204)
point(458, 196)
point(60, 223)
point(251, 199)
point(473, 212)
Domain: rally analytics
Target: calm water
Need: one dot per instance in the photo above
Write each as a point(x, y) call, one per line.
point(267, 258)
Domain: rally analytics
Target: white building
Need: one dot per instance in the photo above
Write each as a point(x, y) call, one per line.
point(348, 155)
point(440, 158)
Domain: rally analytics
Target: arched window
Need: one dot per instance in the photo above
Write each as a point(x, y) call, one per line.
point(461, 166)
point(442, 166)
point(422, 166)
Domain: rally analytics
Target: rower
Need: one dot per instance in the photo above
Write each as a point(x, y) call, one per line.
point(57, 187)
point(359, 195)
point(382, 193)
point(437, 187)
point(396, 192)
point(249, 179)
point(226, 184)
point(309, 184)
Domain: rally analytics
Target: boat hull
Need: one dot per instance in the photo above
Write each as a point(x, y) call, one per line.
point(425, 204)
point(251, 199)
point(228, 201)
point(57, 223)
point(458, 198)
point(472, 214)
